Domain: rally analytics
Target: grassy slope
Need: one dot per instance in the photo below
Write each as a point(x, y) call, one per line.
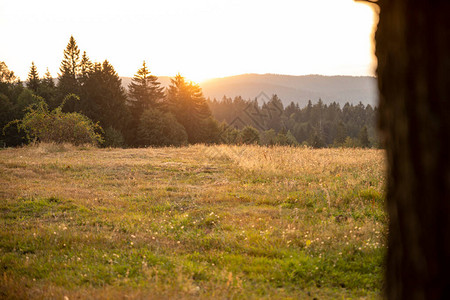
point(194, 222)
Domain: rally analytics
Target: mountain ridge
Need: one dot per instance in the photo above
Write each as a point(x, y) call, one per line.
point(289, 88)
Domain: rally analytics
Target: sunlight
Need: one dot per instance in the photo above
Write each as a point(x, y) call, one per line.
point(200, 39)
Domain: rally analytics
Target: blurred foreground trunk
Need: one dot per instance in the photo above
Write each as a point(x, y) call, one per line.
point(413, 51)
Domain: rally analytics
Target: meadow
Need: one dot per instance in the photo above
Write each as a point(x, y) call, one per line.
point(197, 222)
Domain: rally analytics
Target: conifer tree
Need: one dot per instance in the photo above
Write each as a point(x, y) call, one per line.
point(186, 101)
point(69, 73)
point(47, 90)
point(86, 67)
point(104, 97)
point(48, 79)
point(273, 111)
point(363, 138)
point(33, 80)
point(144, 91)
point(70, 66)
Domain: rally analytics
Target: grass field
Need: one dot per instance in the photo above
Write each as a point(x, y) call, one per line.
point(239, 222)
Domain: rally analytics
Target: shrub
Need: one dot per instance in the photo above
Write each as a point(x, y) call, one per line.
point(229, 134)
point(210, 131)
point(113, 138)
point(43, 125)
point(250, 135)
point(286, 139)
point(269, 137)
point(157, 128)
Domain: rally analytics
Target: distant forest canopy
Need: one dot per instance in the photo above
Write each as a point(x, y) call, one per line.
point(317, 125)
point(89, 104)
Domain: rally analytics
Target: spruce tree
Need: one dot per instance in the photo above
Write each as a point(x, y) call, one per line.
point(144, 91)
point(70, 66)
point(33, 80)
point(48, 79)
point(47, 90)
point(363, 138)
point(186, 101)
point(104, 97)
point(86, 67)
point(69, 73)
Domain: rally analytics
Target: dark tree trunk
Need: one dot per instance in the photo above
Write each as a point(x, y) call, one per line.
point(413, 51)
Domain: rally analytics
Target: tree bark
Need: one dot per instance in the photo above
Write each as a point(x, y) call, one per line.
point(413, 51)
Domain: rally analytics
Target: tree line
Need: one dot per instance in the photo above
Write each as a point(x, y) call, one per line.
point(89, 104)
point(317, 125)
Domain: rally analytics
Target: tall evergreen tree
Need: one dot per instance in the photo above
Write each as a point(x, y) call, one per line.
point(33, 80)
point(273, 111)
point(47, 90)
point(340, 134)
point(86, 67)
point(363, 138)
point(104, 98)
point(144, 91)
point(70, 72)
point(186, 101)
point(48, 79)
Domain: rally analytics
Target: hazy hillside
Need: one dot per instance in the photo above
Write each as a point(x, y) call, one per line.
point(298, 89)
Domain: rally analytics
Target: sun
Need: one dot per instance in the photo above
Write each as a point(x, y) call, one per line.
point(195, 77)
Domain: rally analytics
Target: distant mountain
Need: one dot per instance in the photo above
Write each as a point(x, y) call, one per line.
point(298, 89)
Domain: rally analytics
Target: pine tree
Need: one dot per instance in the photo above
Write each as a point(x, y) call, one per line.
point(86, 67)
point(104, 98)
point(69, 73)
point(144, 91)
point(47, 90)
point(363, 137)
point(273, 111)
point(33, 80)
point(186, 101)
point(48, 79)
point(70, 66)
point(340, 135)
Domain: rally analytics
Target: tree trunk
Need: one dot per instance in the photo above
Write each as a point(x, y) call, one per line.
point(413, 51)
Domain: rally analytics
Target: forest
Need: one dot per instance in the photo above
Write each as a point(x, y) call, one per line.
point(88, 104)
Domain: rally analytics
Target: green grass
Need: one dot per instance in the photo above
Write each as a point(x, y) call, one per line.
point(195, 222)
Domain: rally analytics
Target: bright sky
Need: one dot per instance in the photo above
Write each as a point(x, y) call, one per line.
point(199, 38)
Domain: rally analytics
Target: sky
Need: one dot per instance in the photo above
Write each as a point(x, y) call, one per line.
point(200, 39)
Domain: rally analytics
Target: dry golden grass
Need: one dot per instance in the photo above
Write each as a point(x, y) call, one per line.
point(192, 222)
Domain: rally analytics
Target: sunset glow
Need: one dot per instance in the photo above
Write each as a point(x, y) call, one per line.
point(200, 39)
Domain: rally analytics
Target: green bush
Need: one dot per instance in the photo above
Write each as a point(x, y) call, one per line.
point(250, 135)
point(229, 134)
point(157, 128)
point(43, 125)
point(113, 138)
